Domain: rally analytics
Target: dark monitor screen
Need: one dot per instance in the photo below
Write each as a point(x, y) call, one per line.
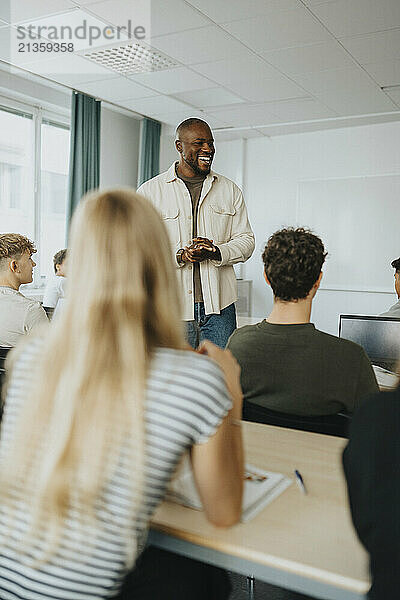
point(379, 336)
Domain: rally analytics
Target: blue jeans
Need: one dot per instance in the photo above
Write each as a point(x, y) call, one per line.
point(216, 328)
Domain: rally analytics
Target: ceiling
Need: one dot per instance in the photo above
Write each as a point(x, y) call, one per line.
point(250, 68)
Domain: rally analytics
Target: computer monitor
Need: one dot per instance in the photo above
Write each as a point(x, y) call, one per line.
point(379, 336)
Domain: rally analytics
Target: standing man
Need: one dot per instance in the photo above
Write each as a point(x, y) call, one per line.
point(207, 222)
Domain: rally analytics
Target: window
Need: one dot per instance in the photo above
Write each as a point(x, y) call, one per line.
point(54, 185)
point(34, 152)
point(17, 173)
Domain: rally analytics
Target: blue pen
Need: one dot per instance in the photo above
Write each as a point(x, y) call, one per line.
point(300, 482)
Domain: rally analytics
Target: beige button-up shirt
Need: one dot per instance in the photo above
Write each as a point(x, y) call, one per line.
point(222, 217)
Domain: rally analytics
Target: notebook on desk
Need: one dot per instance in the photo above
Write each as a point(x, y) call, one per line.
point(260, 488)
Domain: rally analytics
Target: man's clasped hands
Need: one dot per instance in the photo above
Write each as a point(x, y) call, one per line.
point(200, 249)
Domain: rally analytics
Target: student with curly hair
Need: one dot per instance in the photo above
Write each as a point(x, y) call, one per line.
point(18, 314)
point(287, 364)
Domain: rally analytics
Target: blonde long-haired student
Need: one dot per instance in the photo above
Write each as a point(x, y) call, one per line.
point(99, 409)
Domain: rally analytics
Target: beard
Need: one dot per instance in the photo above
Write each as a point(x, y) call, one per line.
point(193, 164)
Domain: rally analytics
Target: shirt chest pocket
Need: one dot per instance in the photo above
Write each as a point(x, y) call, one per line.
point(170, 217)
point(221, 217)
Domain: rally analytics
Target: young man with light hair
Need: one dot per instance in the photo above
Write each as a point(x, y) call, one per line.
point(288, 366)
point(18, 314)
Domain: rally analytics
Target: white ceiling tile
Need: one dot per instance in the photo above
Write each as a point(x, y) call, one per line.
point(84, 2)
point(17, 11)
point(68, 69)
point(278, 87)
point(157, 16)
point(173, 16)
point(344, 18)
point(116, 89)
point(395, 96)
point(198, 45)
point(305, 59)
point(333, 79)
point(301, 110)
point(357, 100)
point(172, 81)
point(242, 134)
point(156, 105)
point(237, 9)
point(215, 121)
point(174, 118)
point(385, 73)
point(210, 97)
point(374, 47)
point(256, 114)
point(317, 2)
point(235, 69)
point(282, 29)
point(251, 78)
point(124, 13)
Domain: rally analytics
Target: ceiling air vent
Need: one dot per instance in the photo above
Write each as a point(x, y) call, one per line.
point(130, 58)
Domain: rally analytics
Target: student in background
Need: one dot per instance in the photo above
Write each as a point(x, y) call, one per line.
point(100, 409)
point(55, 285)
point(371, 463)
point(394, 311)
point(18, 314)
point(287, 364)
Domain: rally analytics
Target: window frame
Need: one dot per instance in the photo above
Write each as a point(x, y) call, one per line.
point(39, 115)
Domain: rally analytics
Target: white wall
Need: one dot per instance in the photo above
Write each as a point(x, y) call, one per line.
point(119, 149)
point(273, 171)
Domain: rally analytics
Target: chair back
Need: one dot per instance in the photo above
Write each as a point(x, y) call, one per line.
point(336, 425)
point(3, 355)
point(4, 350)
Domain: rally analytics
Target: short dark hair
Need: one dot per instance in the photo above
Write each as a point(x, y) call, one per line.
point(187, 124)
point(293, 260)
point(59, 258)
point(396, 264)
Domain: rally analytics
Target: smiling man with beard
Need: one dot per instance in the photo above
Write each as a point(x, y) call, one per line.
point(207, 222)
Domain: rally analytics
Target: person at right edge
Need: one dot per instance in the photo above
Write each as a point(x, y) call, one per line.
point(371, 463)
point(394, 311)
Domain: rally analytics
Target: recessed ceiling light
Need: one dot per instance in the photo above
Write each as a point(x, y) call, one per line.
point(130, 58)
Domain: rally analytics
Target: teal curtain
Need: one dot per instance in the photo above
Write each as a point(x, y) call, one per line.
point(84, 160)
point(149, 150)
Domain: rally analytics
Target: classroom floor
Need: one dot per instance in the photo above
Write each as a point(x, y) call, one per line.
point(262, 591)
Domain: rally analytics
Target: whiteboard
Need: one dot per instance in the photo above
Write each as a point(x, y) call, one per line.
point(358, 220)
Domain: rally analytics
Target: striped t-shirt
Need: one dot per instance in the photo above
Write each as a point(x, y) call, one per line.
point(186, 401)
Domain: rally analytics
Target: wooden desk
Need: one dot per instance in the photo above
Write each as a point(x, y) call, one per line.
point(302, 542)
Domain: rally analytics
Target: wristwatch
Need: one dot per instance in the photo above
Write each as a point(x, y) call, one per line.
point(179, 255)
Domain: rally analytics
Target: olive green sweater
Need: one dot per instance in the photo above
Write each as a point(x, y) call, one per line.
point(299, 370)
